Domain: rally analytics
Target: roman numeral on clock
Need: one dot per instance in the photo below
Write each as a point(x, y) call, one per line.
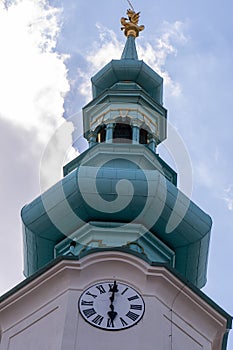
point(101, 289)
point(123, 322)
point(87, 303)
point(110, 323)
point(89, 312)
point(135, 307)
point(98, 320)
point(132, 316)
point(125, 290)
point(92, 295)
point(133, 297)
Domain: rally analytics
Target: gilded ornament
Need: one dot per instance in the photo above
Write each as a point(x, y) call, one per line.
point(130, 24)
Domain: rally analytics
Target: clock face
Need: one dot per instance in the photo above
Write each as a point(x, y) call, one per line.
point(111, 305)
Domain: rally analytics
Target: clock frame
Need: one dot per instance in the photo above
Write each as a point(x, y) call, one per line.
point(111, 305)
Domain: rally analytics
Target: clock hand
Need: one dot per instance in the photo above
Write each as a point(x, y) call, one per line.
point(113, 289)
point(112, 297)
point(112, 313)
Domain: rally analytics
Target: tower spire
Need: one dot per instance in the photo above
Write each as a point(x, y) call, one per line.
point(130, 51)
point(131, 31)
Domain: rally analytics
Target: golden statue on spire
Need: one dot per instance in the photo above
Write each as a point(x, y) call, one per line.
point(130, 24)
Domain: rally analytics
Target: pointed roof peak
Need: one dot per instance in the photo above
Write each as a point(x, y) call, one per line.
point(131, 31)
point(130, 51)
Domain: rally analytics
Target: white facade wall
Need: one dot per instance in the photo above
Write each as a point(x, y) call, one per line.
point(43, 314)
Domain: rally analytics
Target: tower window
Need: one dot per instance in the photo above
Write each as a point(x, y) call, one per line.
point(122, 133)
point(143, 136)
point(101, 136)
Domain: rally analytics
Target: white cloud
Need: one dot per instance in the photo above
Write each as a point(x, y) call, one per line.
point(58, 151)
point(33, 84)
point(204, 174)
point(33, 76)
point(155, 55)
point(228, 197)
point(97, 58)
point(210, 173)
point(171, 36)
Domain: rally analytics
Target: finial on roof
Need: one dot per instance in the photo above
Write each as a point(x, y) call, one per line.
point(130, 24)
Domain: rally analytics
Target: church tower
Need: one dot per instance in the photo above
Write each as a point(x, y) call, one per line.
point(115, 254)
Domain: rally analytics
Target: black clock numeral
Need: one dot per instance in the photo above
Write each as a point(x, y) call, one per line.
point(132, 316)
point(92, 295)
point(101, 289)
point(123, 322)
point(125, 290)
point(89, 312)
point(133, 297)
point(87, 303)
point(110, 323)
point(111, 285)
point(135, 307)
point(98, 320)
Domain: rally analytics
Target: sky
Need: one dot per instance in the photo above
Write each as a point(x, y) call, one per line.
point(50, 50)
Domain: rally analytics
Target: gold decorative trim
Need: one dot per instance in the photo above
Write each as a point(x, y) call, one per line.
point(125, 113)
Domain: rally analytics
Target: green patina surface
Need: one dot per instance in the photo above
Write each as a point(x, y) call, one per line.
point(63, 210)
point(129, 69)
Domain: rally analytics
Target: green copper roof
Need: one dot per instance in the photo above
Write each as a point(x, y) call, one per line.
point(130, 51)
point(63, 209)
point(128, 69)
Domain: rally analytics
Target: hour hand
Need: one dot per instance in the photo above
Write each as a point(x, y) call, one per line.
point(112, 313)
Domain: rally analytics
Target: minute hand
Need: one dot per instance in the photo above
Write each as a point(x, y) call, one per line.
point(112, 313)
